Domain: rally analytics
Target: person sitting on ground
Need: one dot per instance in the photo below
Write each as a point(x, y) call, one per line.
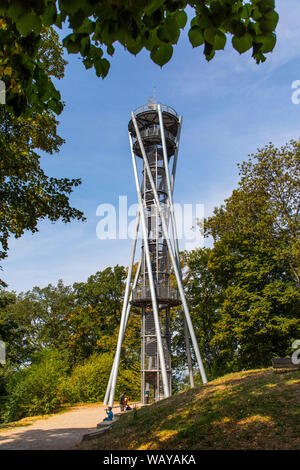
point(126, 404)
point(109, 413)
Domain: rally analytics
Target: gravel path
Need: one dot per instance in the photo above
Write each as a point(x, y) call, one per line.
point(62, 431)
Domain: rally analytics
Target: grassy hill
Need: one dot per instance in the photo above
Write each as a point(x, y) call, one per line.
point(257, 409)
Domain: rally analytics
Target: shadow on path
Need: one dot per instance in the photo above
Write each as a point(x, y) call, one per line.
point(41, 439)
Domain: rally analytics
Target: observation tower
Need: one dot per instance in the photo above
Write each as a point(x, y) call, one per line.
point(154, 136)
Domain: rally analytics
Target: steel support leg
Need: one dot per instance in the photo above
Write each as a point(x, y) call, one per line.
point(188, 352)
point(170, 188)
point(176, 154)
point(123, 318)
point(125, 325)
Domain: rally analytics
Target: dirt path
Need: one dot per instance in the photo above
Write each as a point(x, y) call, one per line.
point(62, 431)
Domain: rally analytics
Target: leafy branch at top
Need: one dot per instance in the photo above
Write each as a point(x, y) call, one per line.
point(96, 26)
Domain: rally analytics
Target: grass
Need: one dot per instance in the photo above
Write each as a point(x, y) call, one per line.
point(258, 409)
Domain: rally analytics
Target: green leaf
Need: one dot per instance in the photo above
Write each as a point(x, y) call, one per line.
point(84, 45)
point(77, 19)
point(50, 15)
point(55, 105)
point(154, 20)
point(134, 48)
point(209, 35)
point(196, 36)
point(238, 28)
point(209, 51)
point(201, 20)
point(72, 43)
point(87, 26)
point(95, 52)
point(266, 5)
point(110, 49)
point(162, 54)
point(246, 12)
point(102, 67)
point(181, 18)
point(105, 67)
point(16, 9)
point(164, 34)
point(242, 44)
point(169, 32)
point(70, 6)
point(88, 63)
point(29, 23)
point(194, 22)
point(220, 40)
point(151, 41)
point(268, 42)
point(153, 5)
point(256, 14)
point(269, 22)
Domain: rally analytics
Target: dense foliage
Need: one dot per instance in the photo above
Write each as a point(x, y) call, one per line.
point(245, 290)
point(60, 345)
point(35, 390)
point(205, 297)
point(49, 383)
point(88, 381)
point(97, 25)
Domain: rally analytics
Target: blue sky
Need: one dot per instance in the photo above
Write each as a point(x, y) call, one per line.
point(230, 107)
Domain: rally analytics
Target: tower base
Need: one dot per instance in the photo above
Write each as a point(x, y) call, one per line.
point(151, 379)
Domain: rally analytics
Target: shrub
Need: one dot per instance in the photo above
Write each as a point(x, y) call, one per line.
point(35, 389)
point(88, 381)
point(45, 385)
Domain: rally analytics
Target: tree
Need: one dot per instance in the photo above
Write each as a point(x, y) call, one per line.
point(12, 332)
point(77, 321)
point(45, 311)
point(97, 25)
point(27, 193)
point(205, 299)
point(29, 87)
point(255, 259)
point(36, 320)
point(95, 321)
point(275, 179)
point(35, 389)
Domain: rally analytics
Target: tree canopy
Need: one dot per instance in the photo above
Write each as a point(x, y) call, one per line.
point(255, 259)
point(60, 344)
point(96, 27)
point(244, 292)
point(77, 320)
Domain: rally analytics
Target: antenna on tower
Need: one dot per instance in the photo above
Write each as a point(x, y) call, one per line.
point(152, 101)
point(154, 94)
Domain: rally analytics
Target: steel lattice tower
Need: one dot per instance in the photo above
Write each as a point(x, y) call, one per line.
point(154, 135)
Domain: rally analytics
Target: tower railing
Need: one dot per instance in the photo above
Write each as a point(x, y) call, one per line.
point(143, 293)
point(154, 131)
point(153, 106)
